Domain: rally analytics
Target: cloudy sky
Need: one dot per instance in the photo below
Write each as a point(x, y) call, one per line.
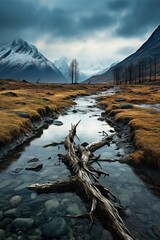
point(96, 32)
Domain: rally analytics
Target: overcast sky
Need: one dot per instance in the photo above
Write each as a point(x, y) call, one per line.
point(93, 31)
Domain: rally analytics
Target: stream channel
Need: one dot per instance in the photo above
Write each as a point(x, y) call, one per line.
point(27, 215)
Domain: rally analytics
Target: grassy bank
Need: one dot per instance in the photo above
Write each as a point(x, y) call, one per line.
point(23, 103)
point(144, 120)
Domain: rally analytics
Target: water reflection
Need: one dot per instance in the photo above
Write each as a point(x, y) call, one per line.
point(39, 214)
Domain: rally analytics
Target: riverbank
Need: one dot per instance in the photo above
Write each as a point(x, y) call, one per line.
point(27, 107)
point(139, 108)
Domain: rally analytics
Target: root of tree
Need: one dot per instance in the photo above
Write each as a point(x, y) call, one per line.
point(85, 177)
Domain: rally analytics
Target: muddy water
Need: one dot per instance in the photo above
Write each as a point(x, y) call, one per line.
point(26, 215)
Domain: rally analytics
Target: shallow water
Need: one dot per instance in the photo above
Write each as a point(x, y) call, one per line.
point(142, 215)
point(150, 106)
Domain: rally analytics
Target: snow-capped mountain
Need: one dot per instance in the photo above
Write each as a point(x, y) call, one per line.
point(63, 65)
point(20, 60)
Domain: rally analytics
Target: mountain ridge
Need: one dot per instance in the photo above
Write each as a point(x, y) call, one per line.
point(147, 54)
point(20, 60)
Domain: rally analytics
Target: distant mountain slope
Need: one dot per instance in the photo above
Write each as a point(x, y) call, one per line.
point(19, 60)
point(63, 65)
point(145, 62)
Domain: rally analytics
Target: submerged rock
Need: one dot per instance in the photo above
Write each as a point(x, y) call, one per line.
point(23, 223)
point(52, 203)
point(36, 166)
point(2, 234)
point(126, 106)
point(12, 213)
point(15, 201)
point(57, 123)
point(17, 170)
point(56, 228)
point(120, 99)
point(33, 160)
point(74, 209)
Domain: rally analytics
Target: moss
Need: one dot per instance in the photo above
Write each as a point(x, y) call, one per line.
point(36, 100)
point(144, 123)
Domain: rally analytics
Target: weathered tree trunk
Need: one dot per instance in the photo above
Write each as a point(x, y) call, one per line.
point(85, 177)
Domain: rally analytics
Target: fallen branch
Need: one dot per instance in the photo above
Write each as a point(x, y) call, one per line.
point(78, 160)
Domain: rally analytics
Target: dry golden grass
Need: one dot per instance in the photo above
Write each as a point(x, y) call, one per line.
point(144, 123)
point(38, 99)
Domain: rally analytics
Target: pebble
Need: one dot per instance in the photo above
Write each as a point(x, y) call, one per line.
point(2, 234)
point(74, 209)
point(12, 213)
point(36, 166)
point(33, 160)
point(23, 223)
point(55, 228)
point(57, 123)
point(126, 106)
point(52, 203)
point(15, 201)
point(33, 195)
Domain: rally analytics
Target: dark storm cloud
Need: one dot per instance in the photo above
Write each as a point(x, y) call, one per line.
point(143, 16)
point(118, 5)
point(74, 19)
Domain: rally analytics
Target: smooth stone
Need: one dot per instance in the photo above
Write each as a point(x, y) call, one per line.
point(56, 228)
point(100, 119)
point(74, 209)
point(21, 103)
point(9, 238)
point(17, 170)
point(23, 114)
point(23, 223)
point(45, 99)
point(33, 160)
point(57, 123)
point(126, 106)
point(6, 222)
point(120, 99)
point(2, 234)
point(12, 213)
point(52, 203)
point(10, 94)
point(36, 166)
point(15, 201)
point(33, 196)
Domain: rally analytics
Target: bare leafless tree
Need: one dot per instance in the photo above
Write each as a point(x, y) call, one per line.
point(74, 71)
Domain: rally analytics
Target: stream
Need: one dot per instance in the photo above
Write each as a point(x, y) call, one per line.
point(27, 215)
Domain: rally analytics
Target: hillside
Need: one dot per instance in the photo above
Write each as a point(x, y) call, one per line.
point(141, 66)
point(20, 60)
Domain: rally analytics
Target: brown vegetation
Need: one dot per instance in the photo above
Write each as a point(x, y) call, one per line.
point(144, 122)
point(36, 101)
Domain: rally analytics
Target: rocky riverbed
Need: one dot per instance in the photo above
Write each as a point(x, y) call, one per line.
point(27, 215)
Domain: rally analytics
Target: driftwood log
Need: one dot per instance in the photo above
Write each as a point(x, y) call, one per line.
point(85, 177)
